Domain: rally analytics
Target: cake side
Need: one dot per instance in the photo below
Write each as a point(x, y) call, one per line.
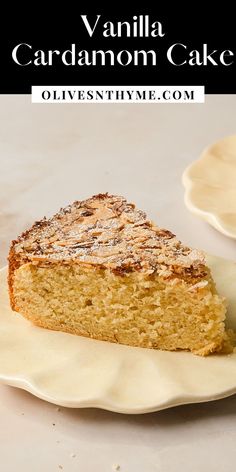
point(135, 309)
point(164, 288)
point(14, 262)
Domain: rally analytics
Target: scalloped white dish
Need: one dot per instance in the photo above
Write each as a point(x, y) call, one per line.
point(210, 186)
point(73, 371)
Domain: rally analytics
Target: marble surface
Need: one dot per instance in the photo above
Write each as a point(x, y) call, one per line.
point(52, 154)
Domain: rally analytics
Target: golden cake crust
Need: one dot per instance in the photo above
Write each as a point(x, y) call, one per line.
point(106, 231)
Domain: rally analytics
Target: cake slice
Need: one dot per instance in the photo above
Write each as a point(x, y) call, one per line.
point(100, 268)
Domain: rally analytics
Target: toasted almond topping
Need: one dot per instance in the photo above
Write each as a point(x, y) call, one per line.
point(107, 231)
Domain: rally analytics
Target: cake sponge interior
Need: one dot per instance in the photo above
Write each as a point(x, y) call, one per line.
point(135, 308)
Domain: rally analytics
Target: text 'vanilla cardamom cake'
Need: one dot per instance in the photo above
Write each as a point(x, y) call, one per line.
point(100, 268)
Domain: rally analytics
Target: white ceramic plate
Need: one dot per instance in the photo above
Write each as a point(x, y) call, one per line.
point(210, 185)
point(74, 371)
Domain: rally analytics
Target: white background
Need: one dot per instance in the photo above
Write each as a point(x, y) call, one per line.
point(53, 154)
point(152, 94)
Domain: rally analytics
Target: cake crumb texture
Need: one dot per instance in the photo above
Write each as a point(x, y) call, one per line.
point(99, 268)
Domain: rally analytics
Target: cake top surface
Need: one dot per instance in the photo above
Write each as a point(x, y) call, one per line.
point(107, 231)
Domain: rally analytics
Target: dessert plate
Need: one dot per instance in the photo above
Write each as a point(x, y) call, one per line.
point(73, 371)
point(210, 186)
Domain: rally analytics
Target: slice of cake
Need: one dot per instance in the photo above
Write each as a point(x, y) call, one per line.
point(100, 268)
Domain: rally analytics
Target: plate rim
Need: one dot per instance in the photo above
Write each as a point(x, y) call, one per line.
point(24, 383)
